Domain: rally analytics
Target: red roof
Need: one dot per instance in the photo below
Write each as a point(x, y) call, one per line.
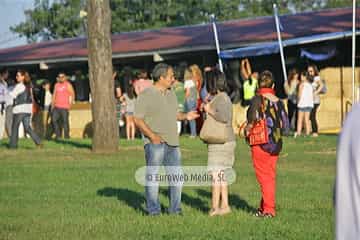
point(234, 33)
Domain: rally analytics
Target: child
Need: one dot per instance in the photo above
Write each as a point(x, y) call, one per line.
point(305, 104)
point(128, 100)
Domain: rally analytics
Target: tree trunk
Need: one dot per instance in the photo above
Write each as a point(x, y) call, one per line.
point(106, 134)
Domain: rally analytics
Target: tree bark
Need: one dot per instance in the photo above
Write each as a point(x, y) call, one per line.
point(106, 134)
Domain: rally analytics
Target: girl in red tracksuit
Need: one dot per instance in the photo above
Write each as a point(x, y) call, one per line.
point(265, 156)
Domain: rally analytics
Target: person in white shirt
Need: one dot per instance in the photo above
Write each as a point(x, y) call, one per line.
point(48, 96)
point(22, 109)
point(4, 74)
point(305, 104)
point(47, 109)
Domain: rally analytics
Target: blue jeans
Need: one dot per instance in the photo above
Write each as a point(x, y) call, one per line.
point(190, 105)
point(157, 155)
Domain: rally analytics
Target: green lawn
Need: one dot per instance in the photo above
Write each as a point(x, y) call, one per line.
point(66, 192)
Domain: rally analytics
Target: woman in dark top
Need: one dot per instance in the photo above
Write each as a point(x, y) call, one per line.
point(265, 156)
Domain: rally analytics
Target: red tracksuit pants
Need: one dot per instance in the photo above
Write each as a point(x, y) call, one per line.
point(265, 170)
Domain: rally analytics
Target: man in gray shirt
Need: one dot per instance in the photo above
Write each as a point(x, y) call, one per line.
point(156, 116)
point(348, 179)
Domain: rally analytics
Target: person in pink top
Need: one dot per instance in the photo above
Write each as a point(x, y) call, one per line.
point(142, 82)
point(63, 97)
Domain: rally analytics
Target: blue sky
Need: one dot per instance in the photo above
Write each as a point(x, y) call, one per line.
point(12, 13)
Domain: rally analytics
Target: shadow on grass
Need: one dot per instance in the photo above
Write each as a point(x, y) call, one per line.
point(73, 143)
point(135, 200)
point(234, 200)
point(5, 144)
point(193, 202)
point(131, 198)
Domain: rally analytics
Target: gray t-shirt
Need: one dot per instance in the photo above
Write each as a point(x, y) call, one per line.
point(222, 106)
point(159, 111)
point(348, 179)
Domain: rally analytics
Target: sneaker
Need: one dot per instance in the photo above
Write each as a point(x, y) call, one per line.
point(259, 213)
point(296, 135)
point(263, 215)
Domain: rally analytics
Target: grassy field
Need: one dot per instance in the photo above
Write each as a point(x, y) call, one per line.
point(66, 192)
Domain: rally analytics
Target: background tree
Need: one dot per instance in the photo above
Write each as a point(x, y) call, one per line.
point(52, 21)
point(61, 18)
point(106, 136)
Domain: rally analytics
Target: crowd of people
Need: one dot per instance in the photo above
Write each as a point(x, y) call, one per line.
point(189, 87)
point(159, 107)
point(303, 90)
point(18, 104)
point(158, 112)
point(55, 100)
